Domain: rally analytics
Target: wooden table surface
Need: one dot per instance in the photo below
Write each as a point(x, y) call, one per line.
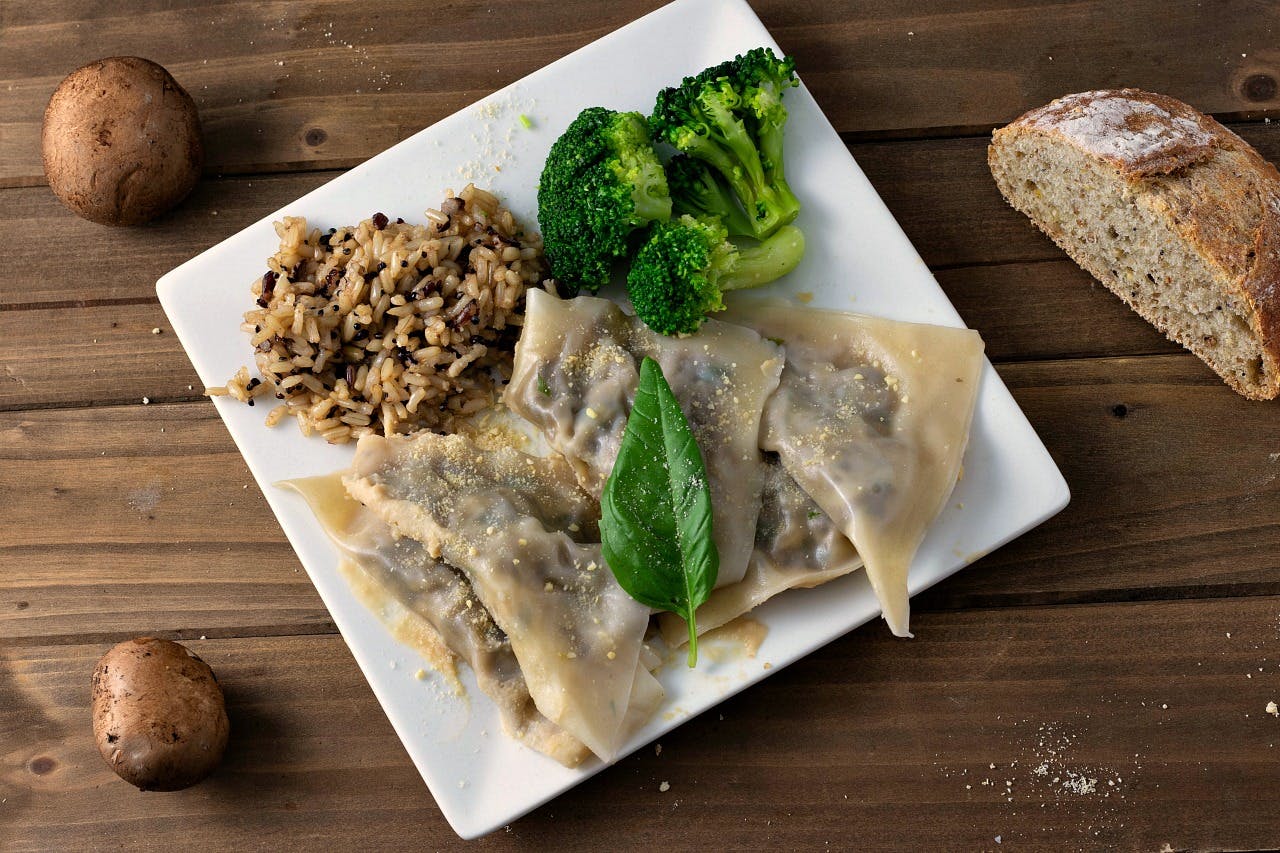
point(1102, 681)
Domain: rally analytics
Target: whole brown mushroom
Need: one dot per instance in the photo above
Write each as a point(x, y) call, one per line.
point(121, 141)
point(159, 716)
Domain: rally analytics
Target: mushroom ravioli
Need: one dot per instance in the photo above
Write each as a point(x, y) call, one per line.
point(831, 441)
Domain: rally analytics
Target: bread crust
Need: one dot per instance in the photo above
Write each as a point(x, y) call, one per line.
point(1221, 196)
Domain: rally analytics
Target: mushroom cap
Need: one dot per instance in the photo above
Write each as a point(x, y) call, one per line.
point(121, 141)
point(159, 715)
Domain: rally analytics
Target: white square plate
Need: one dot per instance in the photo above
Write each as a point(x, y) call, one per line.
point(480, 778)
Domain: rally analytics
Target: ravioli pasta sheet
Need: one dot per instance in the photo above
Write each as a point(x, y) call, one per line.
point(797, 546)
point(406, 576)
point(527, 539)
point(871, 418)
point(575, 374)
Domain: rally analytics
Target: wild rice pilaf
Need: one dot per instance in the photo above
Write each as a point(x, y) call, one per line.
point(389, 327)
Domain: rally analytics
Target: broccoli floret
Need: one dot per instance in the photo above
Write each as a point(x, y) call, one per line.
point(697, 191)
point(731, 117)
point(602, 181)
point(680, 274)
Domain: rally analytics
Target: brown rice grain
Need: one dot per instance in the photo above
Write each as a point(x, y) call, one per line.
point(395, 329)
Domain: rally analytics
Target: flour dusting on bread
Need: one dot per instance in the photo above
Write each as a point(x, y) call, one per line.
point(1144, 133)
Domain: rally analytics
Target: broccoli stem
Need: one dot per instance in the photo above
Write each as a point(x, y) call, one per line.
point(759, 181)
point(780, 207)
point(652, 203)
point(768, 206)
point(716, 155)
point(771, 153)
point(786, 205)
point(771, 260)
point(734, 137)
point(706, 195)
point(737, 223)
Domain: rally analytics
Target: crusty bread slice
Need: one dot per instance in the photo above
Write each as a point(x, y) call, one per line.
point(1174, 213)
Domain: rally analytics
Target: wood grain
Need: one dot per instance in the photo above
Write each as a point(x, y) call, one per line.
point(98, 264)
point(910, 69)
point(287, 85)
point(324, 84)
point(95, 355)
point(1052, 728)
point(1047, 310)
point(939, 190)
point(1175, 488)
point(172, 535)
point(141, 519)
point(942, 194)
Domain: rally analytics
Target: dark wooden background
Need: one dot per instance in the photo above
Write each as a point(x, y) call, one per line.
point(1134, 640)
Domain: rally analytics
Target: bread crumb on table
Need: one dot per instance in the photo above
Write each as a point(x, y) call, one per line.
point(1273, 709)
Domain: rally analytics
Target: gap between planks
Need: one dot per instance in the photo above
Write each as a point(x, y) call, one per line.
point(1237, 122)
point(108, 302)
point(187, 399)
point(849, 137)
point(921, 605)
point(183, 635)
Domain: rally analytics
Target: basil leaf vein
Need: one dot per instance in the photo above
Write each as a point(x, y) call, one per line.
point(655, 521)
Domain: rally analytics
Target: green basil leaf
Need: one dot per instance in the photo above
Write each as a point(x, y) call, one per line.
point(656, 508)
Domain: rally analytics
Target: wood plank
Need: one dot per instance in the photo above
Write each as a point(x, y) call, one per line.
point(1178, 498)
point(1175, 488)
point(942, 194)
point(1126, 726)
point(898, 67)
point(285, 86)
point(939, 190)
point(327, 85)
point(98, 264)
point(1047, 310)
point(92, 355)
point(141, 519)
